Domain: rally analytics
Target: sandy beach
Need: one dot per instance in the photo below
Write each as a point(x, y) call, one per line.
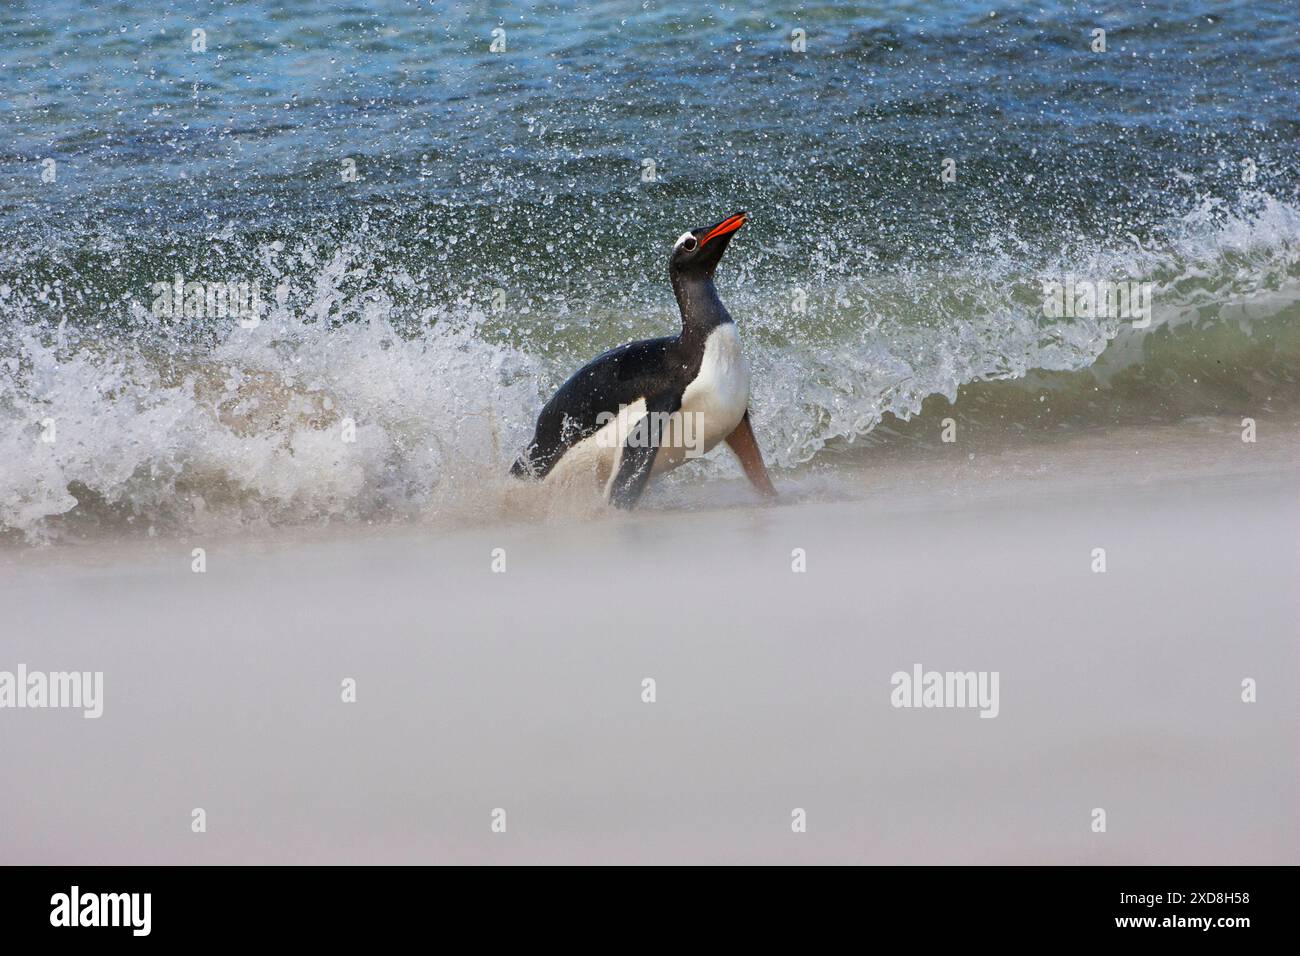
point(478, 690)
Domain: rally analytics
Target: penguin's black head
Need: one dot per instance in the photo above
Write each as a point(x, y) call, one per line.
point(697, 252)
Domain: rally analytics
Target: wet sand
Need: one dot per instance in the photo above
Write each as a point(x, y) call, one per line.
point(523, 690)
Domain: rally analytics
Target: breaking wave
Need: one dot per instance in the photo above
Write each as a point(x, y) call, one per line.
point(350, 401)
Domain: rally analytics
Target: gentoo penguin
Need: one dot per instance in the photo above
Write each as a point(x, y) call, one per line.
point(643, 408)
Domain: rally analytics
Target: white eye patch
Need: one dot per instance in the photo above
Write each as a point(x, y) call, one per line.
point(682, 238)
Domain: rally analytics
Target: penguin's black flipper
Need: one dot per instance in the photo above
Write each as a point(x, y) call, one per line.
point(637, 457)
point(604, 386)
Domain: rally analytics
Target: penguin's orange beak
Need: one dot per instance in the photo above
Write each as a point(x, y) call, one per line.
point(725, 228)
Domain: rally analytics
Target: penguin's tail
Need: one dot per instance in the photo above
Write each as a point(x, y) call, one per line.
point(523, 467)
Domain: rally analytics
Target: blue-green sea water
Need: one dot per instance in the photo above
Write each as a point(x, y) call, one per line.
point(435, 211)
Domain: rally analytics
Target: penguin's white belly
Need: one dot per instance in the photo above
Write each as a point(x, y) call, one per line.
point(719, 394)
point(712, 406)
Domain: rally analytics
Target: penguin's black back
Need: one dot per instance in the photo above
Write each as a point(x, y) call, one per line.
point(618, 378)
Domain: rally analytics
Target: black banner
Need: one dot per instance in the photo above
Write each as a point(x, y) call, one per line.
point(208, 904)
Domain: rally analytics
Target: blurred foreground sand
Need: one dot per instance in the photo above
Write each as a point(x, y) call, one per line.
point(523, 690)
